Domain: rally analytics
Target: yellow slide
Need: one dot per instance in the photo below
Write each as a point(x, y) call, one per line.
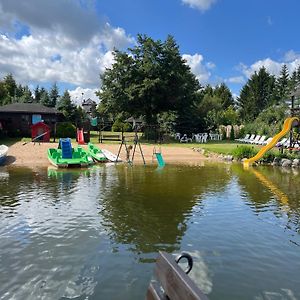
point(288, 124)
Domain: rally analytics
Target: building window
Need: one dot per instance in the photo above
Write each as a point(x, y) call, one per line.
point(36, 119)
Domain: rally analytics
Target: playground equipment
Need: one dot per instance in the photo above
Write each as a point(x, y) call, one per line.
point(80, 137)
point(136, 142)
point(159, 158)
point(289, 123)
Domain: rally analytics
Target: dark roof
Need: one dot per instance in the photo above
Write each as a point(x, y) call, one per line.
point(132, 119)
point(89, 101)
point(28, 108)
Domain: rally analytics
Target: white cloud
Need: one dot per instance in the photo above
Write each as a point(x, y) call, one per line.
point(291, 59)
point(291, 56)
point(31, 59)
point(80, 94)
point(199, 4)
point(70, 17)
point(236, 79)
point(70, 48)
point(197, 66)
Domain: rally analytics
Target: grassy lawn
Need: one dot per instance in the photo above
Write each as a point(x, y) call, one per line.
point(222, 147)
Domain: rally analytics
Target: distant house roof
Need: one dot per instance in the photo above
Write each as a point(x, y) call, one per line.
point(134, 120)
point(35, 108)
point(89, 101)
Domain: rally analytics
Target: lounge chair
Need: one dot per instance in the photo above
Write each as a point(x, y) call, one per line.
point(251, 138)
point(185, 139)
point(257, 138)
point(267, 141)
point(261, 140)
point(243, 139)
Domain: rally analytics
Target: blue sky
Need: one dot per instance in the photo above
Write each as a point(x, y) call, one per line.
point(70, 41)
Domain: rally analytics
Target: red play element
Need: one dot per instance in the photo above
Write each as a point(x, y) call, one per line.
point(40, 132)
point(80, 138)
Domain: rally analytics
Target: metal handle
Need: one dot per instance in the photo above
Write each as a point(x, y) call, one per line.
point(189, 260)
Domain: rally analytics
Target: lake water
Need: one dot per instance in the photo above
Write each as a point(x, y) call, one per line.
point(95, 234)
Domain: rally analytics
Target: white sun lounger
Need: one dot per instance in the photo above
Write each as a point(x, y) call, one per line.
point(251, 138)
point(261, 140)
point(257, 138)
point(267, 141)
point(243, 139)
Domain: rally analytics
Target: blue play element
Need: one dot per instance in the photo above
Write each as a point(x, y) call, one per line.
point(66, 147)
point(160, 160)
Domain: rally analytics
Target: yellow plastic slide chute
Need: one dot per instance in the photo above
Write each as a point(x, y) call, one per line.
point(288, 124)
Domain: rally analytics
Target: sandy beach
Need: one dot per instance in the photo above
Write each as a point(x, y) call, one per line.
point(35, 155)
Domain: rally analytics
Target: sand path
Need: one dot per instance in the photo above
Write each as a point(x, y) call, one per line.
point(35, 155)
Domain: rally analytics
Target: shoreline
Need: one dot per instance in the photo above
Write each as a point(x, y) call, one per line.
point(35, 155)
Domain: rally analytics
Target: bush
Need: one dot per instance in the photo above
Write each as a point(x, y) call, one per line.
point(119, 126)
point(127, 127)
point(242, 133)
point(269, 156)
point(65, 129)
point(243, 152)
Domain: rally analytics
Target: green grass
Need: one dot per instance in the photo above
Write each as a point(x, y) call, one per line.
point(221, 147)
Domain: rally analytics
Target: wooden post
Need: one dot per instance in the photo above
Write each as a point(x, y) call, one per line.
point(176, 284)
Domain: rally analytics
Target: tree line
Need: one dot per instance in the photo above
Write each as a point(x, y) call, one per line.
point(154, 81)
point(11, 92)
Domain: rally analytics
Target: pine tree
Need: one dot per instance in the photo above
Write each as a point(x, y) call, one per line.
point(11, 88)
point(45, 99)
point(293, 81)
point(37, 94)
point(282, 84)
point(54, 94)
point(66, 106)
point(27, 95)
point(223, 92)
point(257, 94)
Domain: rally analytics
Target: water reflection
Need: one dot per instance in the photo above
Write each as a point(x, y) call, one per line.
point(267, 187)
point(148, 210)
point(94, 233)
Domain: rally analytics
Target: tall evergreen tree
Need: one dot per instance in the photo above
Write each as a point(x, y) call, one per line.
point(293, 81)
point(3, 93)
point(67, 107)
point(11, 87)
point(45, 99)
point(27, 95)
point(224, 94)
point(282, 84)
point(37, 94)
point(53, 95)
point(256, 94)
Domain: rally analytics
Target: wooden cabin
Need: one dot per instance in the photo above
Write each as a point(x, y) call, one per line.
point(17, 118)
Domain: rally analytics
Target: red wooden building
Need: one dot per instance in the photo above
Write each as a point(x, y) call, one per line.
point(40, 132)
